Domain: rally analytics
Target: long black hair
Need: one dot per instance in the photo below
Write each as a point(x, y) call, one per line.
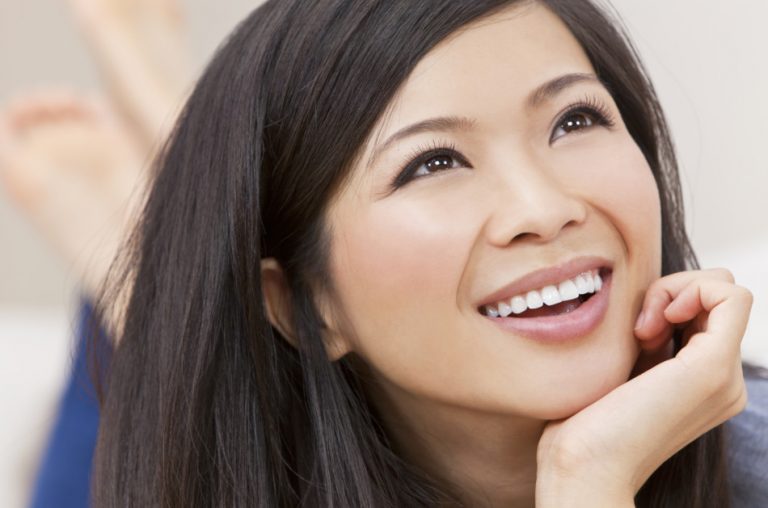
point(205, 404)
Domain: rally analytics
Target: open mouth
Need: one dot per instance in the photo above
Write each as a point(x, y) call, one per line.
point(553, 300)
point(556, 321)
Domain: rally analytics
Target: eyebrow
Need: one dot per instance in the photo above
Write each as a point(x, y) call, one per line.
point(541, 94)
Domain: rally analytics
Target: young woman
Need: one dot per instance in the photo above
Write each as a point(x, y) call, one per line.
point(419, 254)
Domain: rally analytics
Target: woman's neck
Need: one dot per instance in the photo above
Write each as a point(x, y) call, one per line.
point(490, 459)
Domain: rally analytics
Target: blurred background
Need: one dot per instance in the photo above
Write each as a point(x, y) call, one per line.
point(707, 59)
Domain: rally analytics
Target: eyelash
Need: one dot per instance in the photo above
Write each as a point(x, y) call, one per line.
point(590, 106)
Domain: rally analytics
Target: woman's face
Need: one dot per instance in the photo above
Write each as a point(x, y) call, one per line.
point(518, 186)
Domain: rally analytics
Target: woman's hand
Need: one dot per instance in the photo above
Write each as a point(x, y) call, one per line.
point(603, 454)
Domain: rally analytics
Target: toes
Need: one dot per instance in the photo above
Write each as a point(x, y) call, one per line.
point(45, 106)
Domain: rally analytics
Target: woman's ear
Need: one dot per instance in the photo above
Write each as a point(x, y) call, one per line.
point(277, 300)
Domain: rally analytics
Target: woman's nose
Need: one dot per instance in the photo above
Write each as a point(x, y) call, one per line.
point(535, 205)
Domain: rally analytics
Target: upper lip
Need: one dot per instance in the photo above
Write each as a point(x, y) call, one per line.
point(547, 276)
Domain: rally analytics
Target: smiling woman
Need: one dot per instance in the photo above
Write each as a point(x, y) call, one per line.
point(518, 204)
point(419, 254)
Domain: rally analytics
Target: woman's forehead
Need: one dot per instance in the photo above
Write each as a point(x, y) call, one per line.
point(497, 62)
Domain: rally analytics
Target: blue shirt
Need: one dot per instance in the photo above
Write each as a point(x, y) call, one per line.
point(747, 444)
point(63, 476)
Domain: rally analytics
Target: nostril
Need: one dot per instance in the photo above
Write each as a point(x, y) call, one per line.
point(571, 222)
point(543, 234)
point(522, 236)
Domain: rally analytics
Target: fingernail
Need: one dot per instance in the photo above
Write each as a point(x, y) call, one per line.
point(640, 320)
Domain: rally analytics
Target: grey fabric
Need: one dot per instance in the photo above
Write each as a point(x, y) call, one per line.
point(747, 444)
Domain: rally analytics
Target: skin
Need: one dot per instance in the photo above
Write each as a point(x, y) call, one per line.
point(470, 403)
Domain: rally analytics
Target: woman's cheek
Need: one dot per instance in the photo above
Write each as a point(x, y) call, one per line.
point(621, 185)
point(398, 263)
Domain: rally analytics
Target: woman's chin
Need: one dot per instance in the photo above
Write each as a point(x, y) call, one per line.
point(565, 400)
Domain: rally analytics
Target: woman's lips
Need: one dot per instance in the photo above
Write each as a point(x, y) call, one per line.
point(550, 275)
point(562, 327)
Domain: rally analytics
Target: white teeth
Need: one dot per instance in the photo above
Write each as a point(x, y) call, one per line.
point(581, 284)
point(550, 295)
point(569, 289)
point(519, 305)
point(590, 283)
point(533, 299)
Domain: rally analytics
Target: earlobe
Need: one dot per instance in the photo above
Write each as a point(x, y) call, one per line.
point(336, 344)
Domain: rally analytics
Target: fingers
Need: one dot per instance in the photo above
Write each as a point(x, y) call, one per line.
point(727, 305)
point(652, 328)
point(655, 324)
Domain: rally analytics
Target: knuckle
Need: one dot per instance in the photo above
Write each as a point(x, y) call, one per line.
point(723, 273)
point(658, 286)
point(652, 287)
point(746, 294)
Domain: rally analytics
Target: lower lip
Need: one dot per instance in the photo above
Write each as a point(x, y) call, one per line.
point(562, 327)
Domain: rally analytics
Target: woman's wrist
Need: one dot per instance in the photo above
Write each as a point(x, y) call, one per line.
point(580, 491)
point(574, 483)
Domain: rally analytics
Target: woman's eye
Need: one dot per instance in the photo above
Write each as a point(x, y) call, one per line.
point(573, 122)
point(429, 162)
point(580, 119)
point(435, 164)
